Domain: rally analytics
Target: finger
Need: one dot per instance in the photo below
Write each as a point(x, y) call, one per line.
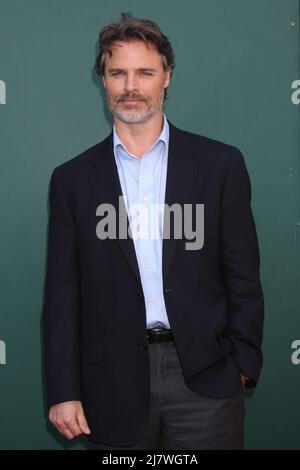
point(67, 433)
point(59, 428)
point(65, 428)
point(83, 422)
point(69, 423)
point(74, 428)
point(53, 417)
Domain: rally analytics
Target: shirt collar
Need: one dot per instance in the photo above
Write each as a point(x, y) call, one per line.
point(164, 135)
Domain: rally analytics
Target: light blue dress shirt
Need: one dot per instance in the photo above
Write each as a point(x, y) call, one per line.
point(143, 182)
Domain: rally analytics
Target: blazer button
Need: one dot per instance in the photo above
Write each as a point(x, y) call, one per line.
point(166, 291)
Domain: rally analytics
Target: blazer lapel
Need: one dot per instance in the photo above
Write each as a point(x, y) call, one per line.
point(182, 174)
point(106, 186)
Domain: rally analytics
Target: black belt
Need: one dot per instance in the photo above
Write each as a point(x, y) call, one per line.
point(156, 335)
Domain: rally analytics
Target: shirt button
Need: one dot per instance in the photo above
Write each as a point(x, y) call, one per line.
point(146, 265)
point(146, 199)
point(148, 300)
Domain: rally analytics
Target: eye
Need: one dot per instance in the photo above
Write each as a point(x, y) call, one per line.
point(146, 73)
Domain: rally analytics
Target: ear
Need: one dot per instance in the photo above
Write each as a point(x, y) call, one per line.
point(167, 77)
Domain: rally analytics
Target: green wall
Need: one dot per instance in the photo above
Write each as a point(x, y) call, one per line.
point(236, 61)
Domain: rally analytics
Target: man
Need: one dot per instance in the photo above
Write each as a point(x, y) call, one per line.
point(149, 342)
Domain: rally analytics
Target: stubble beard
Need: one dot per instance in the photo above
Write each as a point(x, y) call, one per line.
point(132, 114)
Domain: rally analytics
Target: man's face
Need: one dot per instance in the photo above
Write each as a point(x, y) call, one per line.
point(135, 81)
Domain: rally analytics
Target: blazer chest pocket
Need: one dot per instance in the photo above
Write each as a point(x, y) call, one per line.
point(91, 352)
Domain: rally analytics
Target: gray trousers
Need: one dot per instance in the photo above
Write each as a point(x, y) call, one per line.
point(180, 418)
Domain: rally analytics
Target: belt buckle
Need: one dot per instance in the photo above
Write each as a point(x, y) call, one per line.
point(152, 332)
point(156, 332)
point(157, 328)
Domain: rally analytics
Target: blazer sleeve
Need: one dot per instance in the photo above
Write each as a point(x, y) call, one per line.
point(61, 301)
point(240, 264)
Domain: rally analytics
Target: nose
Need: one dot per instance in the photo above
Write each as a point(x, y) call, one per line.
point(131, 83)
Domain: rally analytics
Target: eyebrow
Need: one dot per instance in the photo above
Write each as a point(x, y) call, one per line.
point(139, 70)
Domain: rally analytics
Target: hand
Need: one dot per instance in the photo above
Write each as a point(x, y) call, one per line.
point(243, 379)
point(69, 419)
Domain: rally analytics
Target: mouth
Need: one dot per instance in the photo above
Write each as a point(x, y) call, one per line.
point(132, 101)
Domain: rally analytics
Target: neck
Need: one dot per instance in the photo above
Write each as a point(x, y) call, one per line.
point(138, 138)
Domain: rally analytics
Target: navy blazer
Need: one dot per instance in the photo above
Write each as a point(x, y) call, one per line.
point(94, 317)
